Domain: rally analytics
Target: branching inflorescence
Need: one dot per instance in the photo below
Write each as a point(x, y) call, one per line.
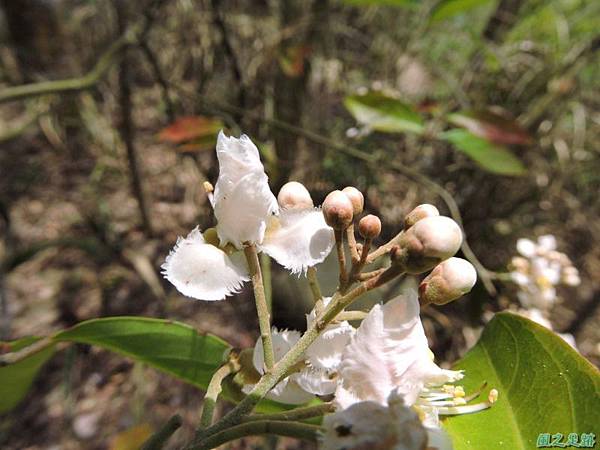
point(380, 379)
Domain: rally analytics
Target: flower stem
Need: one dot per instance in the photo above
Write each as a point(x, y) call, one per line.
point(212, 394)
point(307, 412)
point(360, 262)
point(264, 318)
point(315, 288)
point(339, 246)
point(352, 243)
point(352, 315)
point(159, 439)
point(280, 428)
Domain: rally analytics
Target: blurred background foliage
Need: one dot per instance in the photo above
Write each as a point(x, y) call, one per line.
point(108, 116)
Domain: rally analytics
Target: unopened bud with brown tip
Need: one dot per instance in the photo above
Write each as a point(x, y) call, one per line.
point(338, 210)
point(356, 197)
point(369, 226)
point(428, 242)
point(420, 212)
point(448, 281)
point(294, 195)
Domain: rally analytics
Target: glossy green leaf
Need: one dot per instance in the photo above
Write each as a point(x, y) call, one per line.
point(169, 346)
point(544, 387)
point(16, 379)
point(489, 156)
point(383, 113)
point(172, 347)
point(448, 8)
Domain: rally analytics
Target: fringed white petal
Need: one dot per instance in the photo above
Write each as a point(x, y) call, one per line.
point(317, 381)
point(287, 390)
point(390, 353)
point(203, 271)
point(282, 341)
point(298, 239)
point(242, 199)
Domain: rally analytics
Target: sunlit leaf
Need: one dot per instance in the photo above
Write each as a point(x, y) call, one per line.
point(169, 346)
point(198, 129)
point(544, 387)
point(489, 156)
point(16, 379)
point(491, 126)
point(448, 8)
point(172, 347)
point(383, 113)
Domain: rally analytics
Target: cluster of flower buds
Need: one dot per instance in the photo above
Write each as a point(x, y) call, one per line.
point(538, 271)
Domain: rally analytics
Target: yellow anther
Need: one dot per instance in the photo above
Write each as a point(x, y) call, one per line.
point(459, 401)
point(493, 396)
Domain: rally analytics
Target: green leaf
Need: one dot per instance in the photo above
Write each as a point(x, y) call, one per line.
point(172, 347)
point(16, 379)
point(544, 387)
point(491, 157)
point(448, 8)
point(383, 113)
point(492, 126)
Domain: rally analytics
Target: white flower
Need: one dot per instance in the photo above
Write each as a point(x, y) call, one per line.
point(242, 199)
point(247, 213)
point(298, 239)
point(370, 425)
point(201, 270)
point(390, 352)
point(324, 356)
point(287, 390)
point(539, 270)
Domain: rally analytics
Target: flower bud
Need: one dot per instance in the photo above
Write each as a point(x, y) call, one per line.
point(356, 197)
point(427, 243)
point(448, 281)
point(294, 195)
point(338, 210)
point(420, 212)
point(369, 227)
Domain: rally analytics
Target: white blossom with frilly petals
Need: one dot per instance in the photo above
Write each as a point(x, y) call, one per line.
point(247, 212)
point(389, 352)
point(324, 356)
point(203, 271)
point(287, 390)
point(370, 425)
point(242, 199)
point(298, 239)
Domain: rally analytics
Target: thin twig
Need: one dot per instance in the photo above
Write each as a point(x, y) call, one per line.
point(313, 282)
point(87, 81)
point(160, 438)
point(307, 412)
point(280, 428)
point(262, 309)
point(160, 79)
point(351, 315)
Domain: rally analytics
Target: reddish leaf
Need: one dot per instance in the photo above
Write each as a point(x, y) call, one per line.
point(492, 126)
point(190, 128)
point(292, 62)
